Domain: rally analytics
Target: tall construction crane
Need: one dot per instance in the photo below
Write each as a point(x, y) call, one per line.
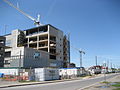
point(81, 52)
point(36, 21)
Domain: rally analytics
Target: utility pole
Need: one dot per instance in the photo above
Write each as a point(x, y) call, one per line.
point(114, 66)
point(19, 67)
point(105, 72)
point(20, 60)
point(111, 65)
point(96, 60)
point(108, 63)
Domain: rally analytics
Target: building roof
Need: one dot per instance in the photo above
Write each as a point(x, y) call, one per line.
point(37, 27)
point(43, 26)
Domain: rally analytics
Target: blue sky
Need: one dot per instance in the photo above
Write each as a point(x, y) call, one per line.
point(94, 25)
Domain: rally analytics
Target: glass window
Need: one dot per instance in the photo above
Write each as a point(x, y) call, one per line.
point(8, 43)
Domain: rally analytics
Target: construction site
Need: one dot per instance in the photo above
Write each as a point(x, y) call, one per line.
point(41, 46)
point(43, 39)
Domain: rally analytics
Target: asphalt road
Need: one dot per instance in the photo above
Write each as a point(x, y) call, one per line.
point(67, 85)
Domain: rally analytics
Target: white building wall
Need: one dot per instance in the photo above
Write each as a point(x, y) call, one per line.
point(11, 40)
point(8, 40)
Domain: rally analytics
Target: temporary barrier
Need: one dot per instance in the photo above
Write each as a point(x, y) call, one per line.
point(71, 72)
point(9, 71)
point(14, 74)
point(44, 74)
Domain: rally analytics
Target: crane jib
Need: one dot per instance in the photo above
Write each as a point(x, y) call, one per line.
point(36, 22)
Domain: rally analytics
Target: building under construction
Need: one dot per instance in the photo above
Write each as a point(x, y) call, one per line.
point(44, 39)
point(2, 50)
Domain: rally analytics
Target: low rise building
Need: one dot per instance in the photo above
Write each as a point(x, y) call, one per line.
point(95, 69)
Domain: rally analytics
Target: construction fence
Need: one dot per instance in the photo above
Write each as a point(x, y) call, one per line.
point(41, 74)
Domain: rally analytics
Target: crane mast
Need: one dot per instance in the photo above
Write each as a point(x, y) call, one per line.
point(81, 52)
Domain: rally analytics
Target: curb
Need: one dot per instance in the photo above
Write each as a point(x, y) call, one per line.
point(45, 82)
point(36, 83)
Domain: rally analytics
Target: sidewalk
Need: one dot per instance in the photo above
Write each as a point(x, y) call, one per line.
point(2, 83)
point(5, 84)
point(104, 86)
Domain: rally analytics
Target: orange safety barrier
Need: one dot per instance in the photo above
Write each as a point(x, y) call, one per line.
point(15, 78)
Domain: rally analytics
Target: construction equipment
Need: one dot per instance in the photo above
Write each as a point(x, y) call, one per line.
point(36, 21)
point(81, 52)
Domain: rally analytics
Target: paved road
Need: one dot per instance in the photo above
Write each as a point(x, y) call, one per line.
point(67, 85)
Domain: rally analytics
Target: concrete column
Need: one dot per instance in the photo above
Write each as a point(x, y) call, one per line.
point(28, 42)
point(48, 38)
point(37, 42)
point(49, 44)
point(14, 40)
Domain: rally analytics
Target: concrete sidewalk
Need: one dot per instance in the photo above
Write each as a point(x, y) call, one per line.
point(5, 84)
